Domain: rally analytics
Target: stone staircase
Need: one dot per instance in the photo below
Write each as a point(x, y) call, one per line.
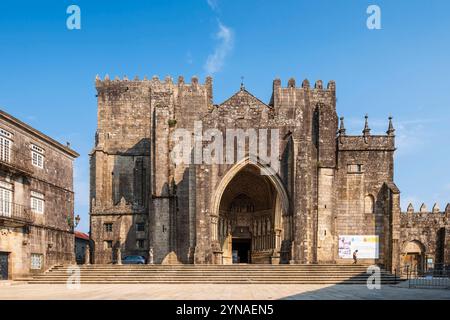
point(220, 274)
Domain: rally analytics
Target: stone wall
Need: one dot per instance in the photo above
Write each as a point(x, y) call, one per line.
point(429, 229)
point(328, 183)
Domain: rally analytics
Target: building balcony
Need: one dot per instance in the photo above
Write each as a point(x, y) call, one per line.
point(16, 161)
point(14, 215)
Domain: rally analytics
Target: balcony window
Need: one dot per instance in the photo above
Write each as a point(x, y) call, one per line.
point(37, 202)
point(6, 196)
point(5, 149)
point(37, 156)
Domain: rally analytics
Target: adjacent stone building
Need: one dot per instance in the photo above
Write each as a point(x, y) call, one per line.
point(329, 194)
point(36, 200)
point(82, 250)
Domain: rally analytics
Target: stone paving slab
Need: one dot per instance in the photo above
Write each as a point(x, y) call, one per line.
point(213, 291)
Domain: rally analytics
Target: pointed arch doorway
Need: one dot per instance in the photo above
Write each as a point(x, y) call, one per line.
point(250, 215)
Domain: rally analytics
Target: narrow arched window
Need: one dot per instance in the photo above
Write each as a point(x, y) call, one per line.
point(369, 204)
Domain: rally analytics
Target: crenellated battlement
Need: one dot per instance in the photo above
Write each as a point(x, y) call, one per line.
point(154, 82)
point(424, 220)
point(318, 85)
point(424, 211)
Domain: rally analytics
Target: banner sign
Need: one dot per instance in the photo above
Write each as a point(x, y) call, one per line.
point(367, 246)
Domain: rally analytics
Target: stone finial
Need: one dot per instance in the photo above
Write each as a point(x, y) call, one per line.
point(107, 77)
point(291, 83)
point(125, 78)
point(168, 79)
point(305, 83)
point(410, 208)
point(194, 80)
point(366, 131)
point(319, 84)
point(180, 80)
point(423, 208)
point(145, 78)
point(242, 88)
point(391, 130)
point(341, 127)
point(436, 208)
point(117, 78)
point(447, 208)
point(97, 77)
point(155, 78)
point(331, 85)
point(136, 78)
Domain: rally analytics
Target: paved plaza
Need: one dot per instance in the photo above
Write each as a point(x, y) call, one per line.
point(215, 291)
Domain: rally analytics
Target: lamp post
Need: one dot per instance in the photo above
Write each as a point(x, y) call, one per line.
point(71, 224)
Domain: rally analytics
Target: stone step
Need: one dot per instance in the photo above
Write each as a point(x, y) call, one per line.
point(286, 274)
point(214, 276)
point(225, 278)
point(210, 282)
point(212, 270)
point(316, 266)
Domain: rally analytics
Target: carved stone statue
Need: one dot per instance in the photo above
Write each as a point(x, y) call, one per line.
point(119, 255)
point(87, 255)
point(150, 255)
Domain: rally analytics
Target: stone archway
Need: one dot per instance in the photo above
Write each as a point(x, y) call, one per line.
point(413, 254)
point(249, 215)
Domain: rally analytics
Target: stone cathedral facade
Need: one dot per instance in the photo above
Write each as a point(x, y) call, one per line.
point(329, 189)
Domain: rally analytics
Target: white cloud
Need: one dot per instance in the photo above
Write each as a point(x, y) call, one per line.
point(213, 4)
point(216, 60)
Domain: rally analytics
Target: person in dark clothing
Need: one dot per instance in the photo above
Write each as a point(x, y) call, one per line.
point(355, 257)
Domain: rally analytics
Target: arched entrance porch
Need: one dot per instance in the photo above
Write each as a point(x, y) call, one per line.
point(250, 216)
point(414, 256)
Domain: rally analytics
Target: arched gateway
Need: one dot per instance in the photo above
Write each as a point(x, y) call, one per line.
point(250, 215)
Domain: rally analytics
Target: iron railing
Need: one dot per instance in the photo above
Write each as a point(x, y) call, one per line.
point(17, 159)
point(435, 275)
point(14, 212)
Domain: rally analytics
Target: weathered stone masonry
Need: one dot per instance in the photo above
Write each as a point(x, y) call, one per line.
point(329, 183)
point(32, 242)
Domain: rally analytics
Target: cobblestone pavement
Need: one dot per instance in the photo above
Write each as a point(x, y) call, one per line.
point(215, 291)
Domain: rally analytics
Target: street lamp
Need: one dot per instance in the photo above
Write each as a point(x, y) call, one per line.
point(71, 224)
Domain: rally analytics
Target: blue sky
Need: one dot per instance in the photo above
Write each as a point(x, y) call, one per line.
point(47, 71)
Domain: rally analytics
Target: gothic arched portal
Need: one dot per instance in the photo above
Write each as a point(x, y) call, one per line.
point(250, 215)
